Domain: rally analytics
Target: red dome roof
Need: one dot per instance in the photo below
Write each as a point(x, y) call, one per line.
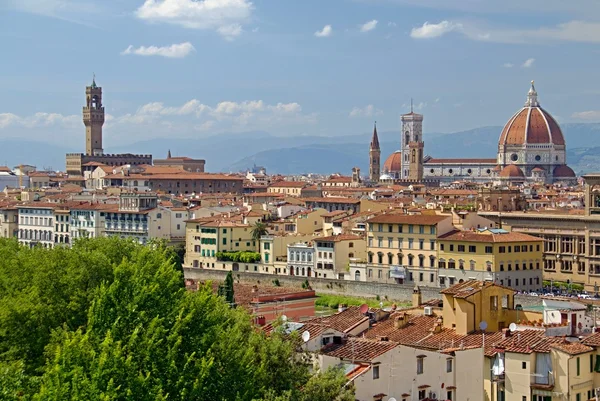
point(393, 162)
point(511, 171)
point(531, 124)
point(564, 171)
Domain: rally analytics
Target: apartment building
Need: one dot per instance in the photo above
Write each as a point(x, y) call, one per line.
point(287, 188)
point(36, 224)
point(334, 253)
point(571, 241)
point(62, 232)
point(301, 260)
point(507, 258)
point(207, 237)
point(402, 248)
point(9, 221)
point(139, 217)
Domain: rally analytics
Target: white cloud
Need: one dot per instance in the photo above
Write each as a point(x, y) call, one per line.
point(367, 111)
point(174, 51)
point(368, 26)
point(325, 32)
point(508, 65)
point(572, 31)
point(582, 115)
point(223, 16)
point(428, 31)
point(528, 63)
point(392, 24)
point(39, 120)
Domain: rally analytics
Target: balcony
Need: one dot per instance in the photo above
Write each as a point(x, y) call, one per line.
point(542, 381)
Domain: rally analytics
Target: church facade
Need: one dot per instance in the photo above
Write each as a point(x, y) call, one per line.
point(531, 148)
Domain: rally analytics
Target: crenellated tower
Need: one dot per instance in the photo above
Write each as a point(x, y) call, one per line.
point(93, 119)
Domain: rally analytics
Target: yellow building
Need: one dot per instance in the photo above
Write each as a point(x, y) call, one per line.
point(288, 188)
point(508, 258)
point(206, 237)
point(334, 253)
point(402, 248)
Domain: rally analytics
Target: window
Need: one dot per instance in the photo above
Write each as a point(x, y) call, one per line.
point(410, 228)
point(390, 242)
point(489, 249)
point(432, 230)
point(420, 366)
point(461, 248)
point(472, 248)
point(448, 365)
point(441, 247)
point(524, 398)
point(494, 303)
point(380, 242)
point(390, 228)
point(399, 228)
point(422, 394)
point(432, 245)
point(421, 244)
point(502, 249)
point(375, 372)
point(421, 277)
point(524, 365)
point(421, 229)
point(410, 243)
point(449, 393)
point(451, 247)
point(224, 241)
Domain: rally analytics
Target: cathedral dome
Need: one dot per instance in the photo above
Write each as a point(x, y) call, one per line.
point(531, 125)
point(511, 171)
point(564, 172)
point(393, 162)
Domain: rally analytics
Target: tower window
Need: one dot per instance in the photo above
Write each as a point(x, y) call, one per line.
point(431, 171)
point(514, 157)
point(538, 158)
point(450, 171)
point(469, 171)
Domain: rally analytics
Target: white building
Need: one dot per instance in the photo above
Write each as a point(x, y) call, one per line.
point(36, 224)
point(301, 259)
point(11, 179)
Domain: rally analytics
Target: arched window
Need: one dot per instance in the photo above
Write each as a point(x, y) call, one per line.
point(357, 275)
point(407, 139)
point(421, 261)
point(410, 260)
point(390, 258)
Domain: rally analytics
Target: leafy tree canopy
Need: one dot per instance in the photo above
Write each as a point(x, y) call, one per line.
point(111, 320)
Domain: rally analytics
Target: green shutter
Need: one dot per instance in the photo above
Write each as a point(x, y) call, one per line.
point(578, 369)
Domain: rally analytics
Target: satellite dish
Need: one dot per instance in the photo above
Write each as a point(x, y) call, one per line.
point(283, 318)
point(364, 308)
point(483, 325)
point(391, 399)
point(381, 304)
point(512, 327)
point(305, 336)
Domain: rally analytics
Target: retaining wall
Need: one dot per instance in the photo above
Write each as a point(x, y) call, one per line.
point(396, 292)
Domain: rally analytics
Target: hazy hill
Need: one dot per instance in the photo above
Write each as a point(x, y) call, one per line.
point(240, 151)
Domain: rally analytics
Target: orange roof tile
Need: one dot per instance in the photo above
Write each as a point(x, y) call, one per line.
point(408, 219)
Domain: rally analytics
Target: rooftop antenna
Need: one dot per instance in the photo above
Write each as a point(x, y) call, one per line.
point(482, 326)
point(411, 104)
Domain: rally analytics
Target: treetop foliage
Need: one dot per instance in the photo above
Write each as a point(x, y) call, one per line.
point(110, 319)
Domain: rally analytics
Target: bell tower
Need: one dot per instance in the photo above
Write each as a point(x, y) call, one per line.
point(374, 157)
point(93, 119)
point(412, 145)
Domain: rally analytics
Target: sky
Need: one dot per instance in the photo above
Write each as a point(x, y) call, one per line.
point(196, 68)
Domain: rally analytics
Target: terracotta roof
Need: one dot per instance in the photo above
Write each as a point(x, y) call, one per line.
point(531, 125)
point(288, 184)
point(470, 287)
point(420, 219)
point(461, 161)
point(335, 213)
point(360, 349)
point(470, 236)
point(338, 238)
point(332, 200)
point(593, 340)
point(343, 321)
point(572, 348)
point(393, 163)
point(511, 171)
point(182, 175)
point(563, 171)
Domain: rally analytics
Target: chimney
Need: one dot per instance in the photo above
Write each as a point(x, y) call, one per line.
point(261, 320)
point(400, 321)
point(417, 298)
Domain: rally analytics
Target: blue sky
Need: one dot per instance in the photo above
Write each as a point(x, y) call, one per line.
point(185, 68)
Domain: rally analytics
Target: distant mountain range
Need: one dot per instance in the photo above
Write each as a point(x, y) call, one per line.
point(232, 152)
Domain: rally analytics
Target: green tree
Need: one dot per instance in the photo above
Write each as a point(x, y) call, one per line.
point(110, 319)
point(258, 230)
